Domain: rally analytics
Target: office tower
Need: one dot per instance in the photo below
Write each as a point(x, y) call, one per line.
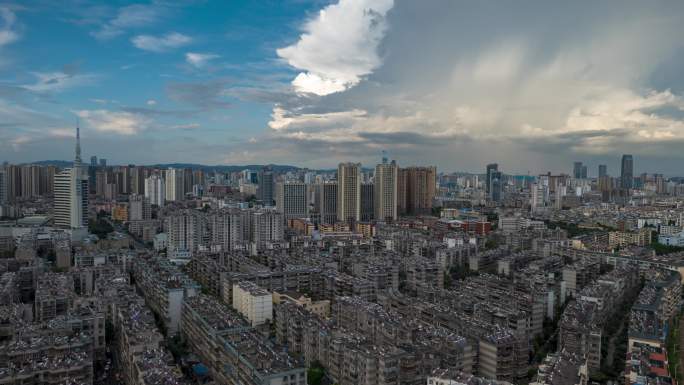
point(138, 180)
point(174, 185)
point(266, 185)
point(602, 170)
point(493, 167)
point(3, 186)
point(385, 191)
point(92, 175)
point(325, 201)
point(367, 201)
point(103, 162)
point(496, 186)
point(71, 193)
point(155, 190)
point(349, 192)
point(579, 170)
point(139, 208)
point(627, 172)
point(419, 184)
point(291, 200)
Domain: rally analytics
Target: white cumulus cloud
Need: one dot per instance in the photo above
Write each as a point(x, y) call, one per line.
point(131, 16)
point(7, 33)
point(162, 43)
point(118, 122)
point(339, 46)
point(199, 60)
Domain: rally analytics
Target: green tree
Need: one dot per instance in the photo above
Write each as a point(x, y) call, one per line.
point(100, 227)
point(315, 374)
point(448, 281)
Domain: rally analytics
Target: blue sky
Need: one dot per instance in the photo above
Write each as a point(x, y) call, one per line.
point(532, 85)
point(171, 72)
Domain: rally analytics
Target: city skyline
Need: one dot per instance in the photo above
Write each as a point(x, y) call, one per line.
point(348, 192)
point(266, 83)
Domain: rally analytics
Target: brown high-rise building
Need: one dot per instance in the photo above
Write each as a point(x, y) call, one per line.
point(100, 182)
point(13, 175)
point(49, 179)
point(138, 180)
point(198, 177)
point(187, 180)
point(416, 188)
point(30, 180)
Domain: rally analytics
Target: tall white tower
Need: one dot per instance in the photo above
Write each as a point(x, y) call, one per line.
point(71, 193)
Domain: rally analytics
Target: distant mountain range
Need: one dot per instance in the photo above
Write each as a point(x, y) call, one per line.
point(220, 168)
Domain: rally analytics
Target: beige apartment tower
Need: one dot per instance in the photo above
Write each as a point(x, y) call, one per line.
point(349, 192)
point(385, 191)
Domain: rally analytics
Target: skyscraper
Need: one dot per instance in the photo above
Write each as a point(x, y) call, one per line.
point(602, 170)
point(3, 186)
point(493, 167)
point(266, 185)
point(174, 185)
point(155, 190)
point(71, 193)
point(138, 180)
point(349, 192)
point(577, 170)
point(385, 191)
point(627, 172)
point(325, 199)
point(13, 174)
point(367, 202)
point(92, 175)
point(420, 184)
point(187, 181)
point(496, 186)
